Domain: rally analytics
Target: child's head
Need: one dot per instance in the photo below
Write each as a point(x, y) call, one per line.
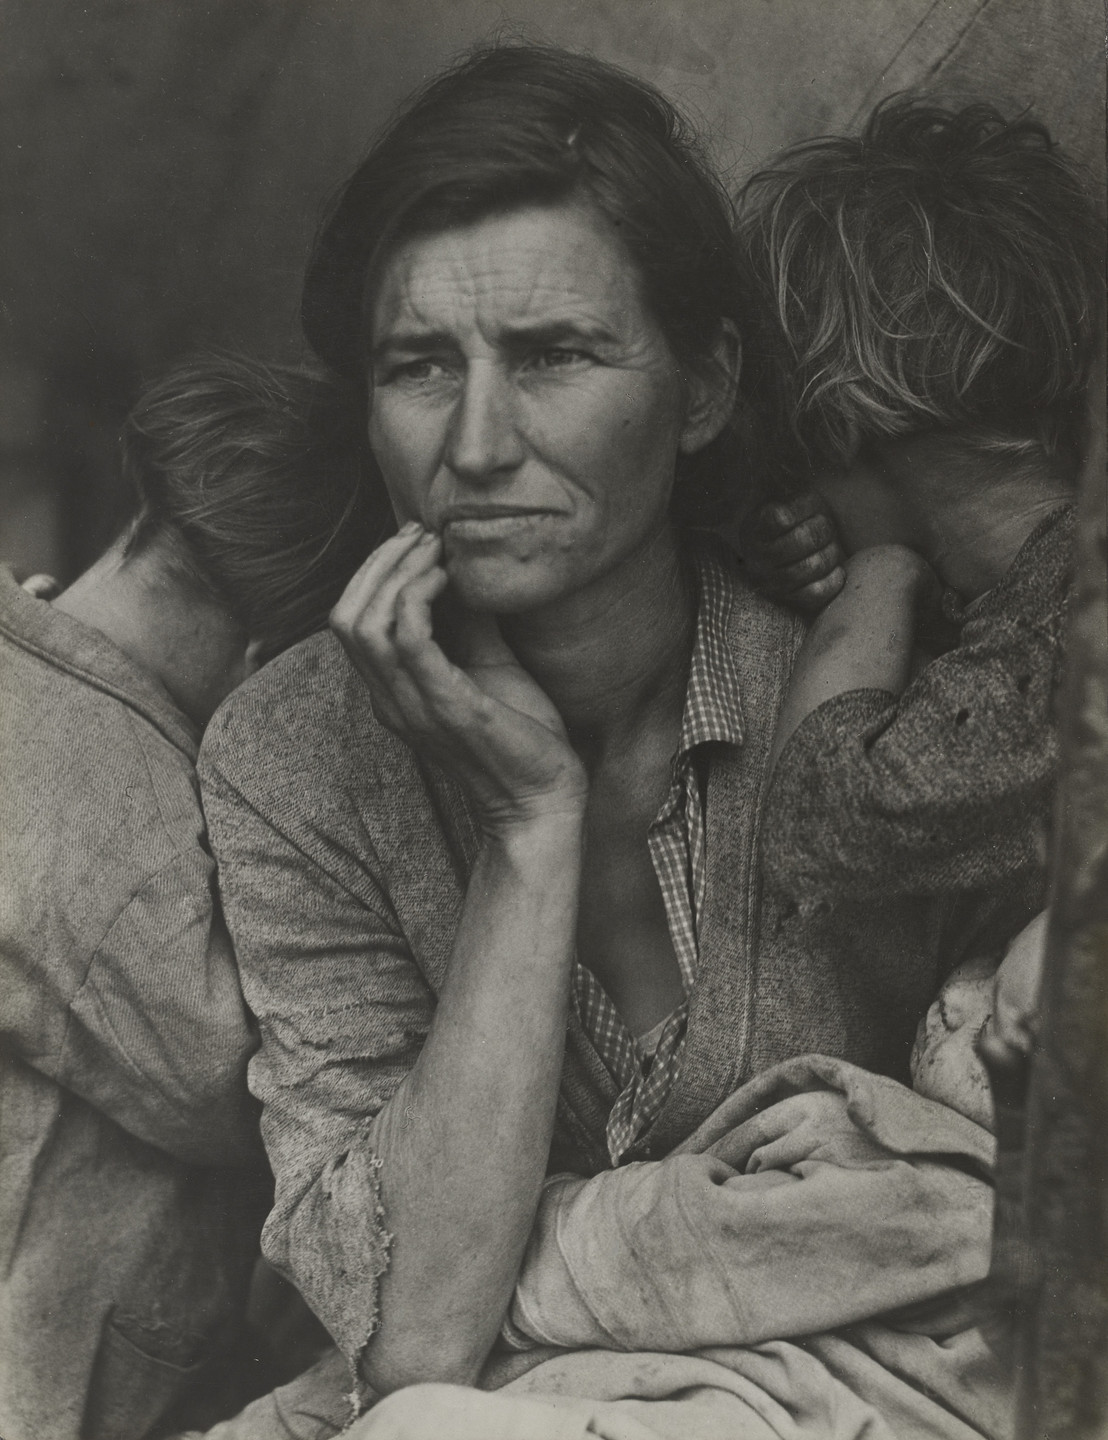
point(939, 272)
point(980, 1002)
point(249, 480)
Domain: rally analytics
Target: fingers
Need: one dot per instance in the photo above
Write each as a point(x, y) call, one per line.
point(802, 541)
point(365, 617)
point(383, 619)
point(793, 549)
point(412, 609)
point(775, 518)
point(810, 599)
point(367, 579)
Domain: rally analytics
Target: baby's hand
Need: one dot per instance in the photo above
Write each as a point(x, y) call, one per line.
point(793, 552)
point(1009, 1036)
point(42, 587)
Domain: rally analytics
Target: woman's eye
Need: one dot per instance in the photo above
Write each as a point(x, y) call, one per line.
point(412, 371)
point(558, 357)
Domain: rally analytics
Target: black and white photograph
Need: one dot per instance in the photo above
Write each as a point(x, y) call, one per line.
point(553, 720)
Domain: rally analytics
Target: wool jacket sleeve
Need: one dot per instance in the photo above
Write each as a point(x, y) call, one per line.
point(949, 787)
point(341, 1006)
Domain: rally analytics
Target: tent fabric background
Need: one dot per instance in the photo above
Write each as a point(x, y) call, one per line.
point(164, 165)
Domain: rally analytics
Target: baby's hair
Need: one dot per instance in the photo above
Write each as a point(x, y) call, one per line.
point(251, 477)
point(938, 272)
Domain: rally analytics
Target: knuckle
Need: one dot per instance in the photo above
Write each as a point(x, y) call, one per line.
point(816, 566)
point(818, 531)
point(341, 618)
point(824, 589)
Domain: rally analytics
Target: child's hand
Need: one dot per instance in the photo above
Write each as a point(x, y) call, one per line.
point(1009, 1036)
point(793, 552)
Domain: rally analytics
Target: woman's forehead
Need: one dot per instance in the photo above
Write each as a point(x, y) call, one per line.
point(540, 264)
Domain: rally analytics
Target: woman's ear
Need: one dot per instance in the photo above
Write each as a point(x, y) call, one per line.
point(712, 388)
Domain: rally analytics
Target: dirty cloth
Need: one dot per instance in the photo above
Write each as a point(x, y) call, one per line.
point(131, 1172)
point(343, 864)
point(813, 1249)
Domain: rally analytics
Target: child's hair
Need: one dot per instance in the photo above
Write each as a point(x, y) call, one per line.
point(939, 272)
point(252, 476)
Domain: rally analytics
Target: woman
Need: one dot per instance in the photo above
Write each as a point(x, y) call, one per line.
point(489, 865)
point(133, 1183)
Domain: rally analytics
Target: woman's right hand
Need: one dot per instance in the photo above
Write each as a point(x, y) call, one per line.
point(485, 720)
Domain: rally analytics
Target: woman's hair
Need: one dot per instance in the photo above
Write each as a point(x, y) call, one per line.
point(516, 125)
point(938, 272)
point(252, 477)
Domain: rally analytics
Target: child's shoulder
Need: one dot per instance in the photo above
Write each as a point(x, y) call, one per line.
point(1037, 586)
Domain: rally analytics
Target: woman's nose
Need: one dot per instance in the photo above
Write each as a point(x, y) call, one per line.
point(484, 441)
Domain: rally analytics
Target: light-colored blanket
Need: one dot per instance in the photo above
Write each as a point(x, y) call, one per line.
point(818, 1195)
point(803, 1268)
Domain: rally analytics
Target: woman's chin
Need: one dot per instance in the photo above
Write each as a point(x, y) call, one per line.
point(501, 585)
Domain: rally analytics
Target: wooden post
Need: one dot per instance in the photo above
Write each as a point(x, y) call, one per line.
point(1062, 1342)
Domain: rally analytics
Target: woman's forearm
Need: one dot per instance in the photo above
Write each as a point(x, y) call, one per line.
point(464, 1142)
point(862, 640)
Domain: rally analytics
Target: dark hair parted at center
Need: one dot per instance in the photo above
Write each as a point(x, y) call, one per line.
point(519, 125)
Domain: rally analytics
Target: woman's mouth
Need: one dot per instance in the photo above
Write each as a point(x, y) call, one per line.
point(478, 526)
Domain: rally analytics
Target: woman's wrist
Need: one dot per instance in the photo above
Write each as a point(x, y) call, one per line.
point(535, 832)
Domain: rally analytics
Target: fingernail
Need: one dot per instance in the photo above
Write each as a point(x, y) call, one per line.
point(409, 527)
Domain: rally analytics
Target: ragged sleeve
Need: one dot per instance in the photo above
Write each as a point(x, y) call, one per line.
point(948, 787)
point(341, 1006)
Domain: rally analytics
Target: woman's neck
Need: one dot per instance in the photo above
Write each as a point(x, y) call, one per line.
point(614, 659)
point(144, 607)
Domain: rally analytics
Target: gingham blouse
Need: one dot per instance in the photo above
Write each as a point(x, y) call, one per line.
point(676, 840)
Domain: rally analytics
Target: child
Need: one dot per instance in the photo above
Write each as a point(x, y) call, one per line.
point(133, 1172)
point(933, 287)
point(985, 1008)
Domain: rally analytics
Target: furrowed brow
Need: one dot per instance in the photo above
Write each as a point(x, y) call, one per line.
point(412, 342)
point(558, 332)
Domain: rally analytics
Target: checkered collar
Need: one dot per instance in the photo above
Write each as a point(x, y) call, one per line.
point(713, 708)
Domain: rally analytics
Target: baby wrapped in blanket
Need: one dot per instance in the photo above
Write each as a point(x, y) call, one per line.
point(807, 1264)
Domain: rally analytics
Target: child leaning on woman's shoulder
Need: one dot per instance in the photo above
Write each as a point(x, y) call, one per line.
point(933, 288)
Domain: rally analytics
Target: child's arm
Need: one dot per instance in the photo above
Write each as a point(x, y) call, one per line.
point(863, 640)
point(946, 787)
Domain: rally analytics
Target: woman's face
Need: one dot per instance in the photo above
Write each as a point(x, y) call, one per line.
point(525, 404)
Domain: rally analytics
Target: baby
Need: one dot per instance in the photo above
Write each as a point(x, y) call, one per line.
point(982, 1007)
point(931, 291)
